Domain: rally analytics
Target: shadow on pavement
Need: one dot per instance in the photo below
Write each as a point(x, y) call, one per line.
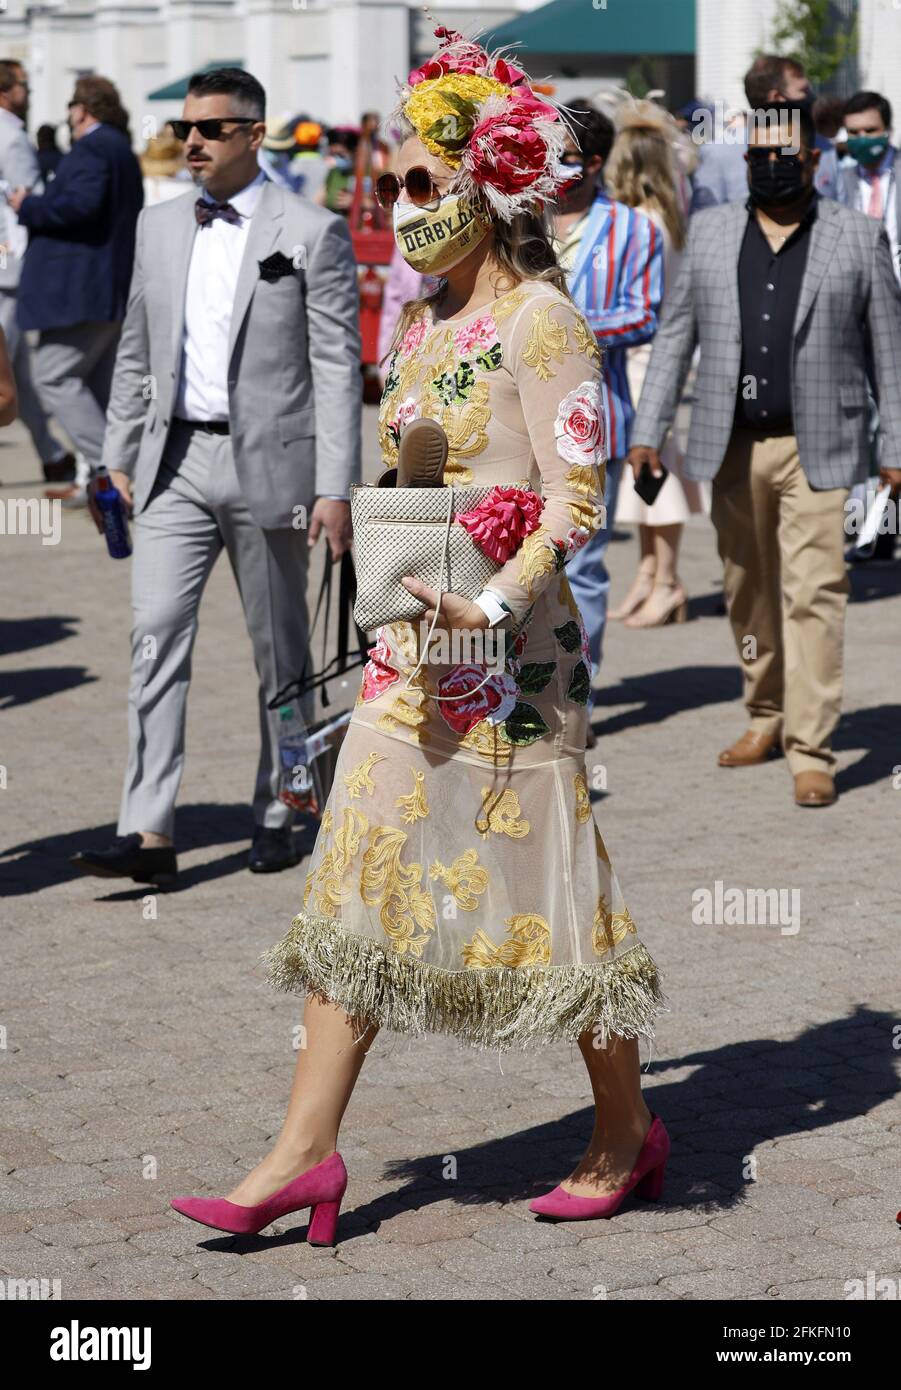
point(24, 687)
point(663, 693)
point(27, 634)
point(35, 864)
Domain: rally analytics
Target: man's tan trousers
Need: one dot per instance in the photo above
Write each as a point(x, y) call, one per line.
point(782, 547)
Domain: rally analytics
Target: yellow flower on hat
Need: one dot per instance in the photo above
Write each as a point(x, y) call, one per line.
point(433, 109)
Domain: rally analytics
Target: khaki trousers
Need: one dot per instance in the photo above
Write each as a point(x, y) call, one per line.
point(782, 544)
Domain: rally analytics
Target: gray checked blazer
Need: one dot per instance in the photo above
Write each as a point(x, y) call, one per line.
point(849, 296)
point(294, 386)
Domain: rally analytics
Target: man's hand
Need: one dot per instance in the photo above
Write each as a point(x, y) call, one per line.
point(16, 197)
point(640, 455)
point(456, 611)
point(122, 483)
point(333, 516)
point(892, 478)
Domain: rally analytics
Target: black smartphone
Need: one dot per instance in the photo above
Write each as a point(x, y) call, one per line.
point(647, 486)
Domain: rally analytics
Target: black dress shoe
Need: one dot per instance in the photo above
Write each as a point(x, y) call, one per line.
point(61, 471)
point(272, 850)
point(127, 858)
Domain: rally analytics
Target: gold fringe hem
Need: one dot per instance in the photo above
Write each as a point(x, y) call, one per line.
point(489, 1007)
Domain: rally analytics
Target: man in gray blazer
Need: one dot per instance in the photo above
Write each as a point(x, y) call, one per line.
point(790, 298)
point(19, 169)
point(234, 423)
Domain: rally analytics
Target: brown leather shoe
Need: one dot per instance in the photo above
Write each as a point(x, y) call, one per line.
point(815, 789)
point(751, 748)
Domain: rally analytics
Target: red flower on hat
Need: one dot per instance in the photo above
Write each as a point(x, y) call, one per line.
point(502, 520)
point(505, 150)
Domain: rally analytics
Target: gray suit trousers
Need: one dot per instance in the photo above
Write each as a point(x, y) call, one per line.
point(73, 370)
point(195, 510)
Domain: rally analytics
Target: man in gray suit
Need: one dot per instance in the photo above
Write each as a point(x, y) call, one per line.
point(19, 168)
point(234, 423)
point(784, 296)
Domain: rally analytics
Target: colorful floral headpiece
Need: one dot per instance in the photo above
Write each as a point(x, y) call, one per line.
point(477, 111)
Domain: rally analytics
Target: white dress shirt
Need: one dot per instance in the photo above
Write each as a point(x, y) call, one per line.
point(209, 300)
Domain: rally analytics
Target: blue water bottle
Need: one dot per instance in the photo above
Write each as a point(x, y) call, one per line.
point(115, 520)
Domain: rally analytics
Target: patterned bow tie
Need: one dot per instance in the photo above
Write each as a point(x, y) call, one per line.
point(206, 212)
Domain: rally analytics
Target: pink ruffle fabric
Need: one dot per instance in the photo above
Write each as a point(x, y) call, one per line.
point(501, 522)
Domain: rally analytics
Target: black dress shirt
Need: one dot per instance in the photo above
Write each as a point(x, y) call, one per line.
point(769, 283)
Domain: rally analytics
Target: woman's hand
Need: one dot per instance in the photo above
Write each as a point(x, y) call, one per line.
point(456, 611)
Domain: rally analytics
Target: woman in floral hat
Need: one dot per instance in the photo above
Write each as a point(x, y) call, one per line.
point(459, 883)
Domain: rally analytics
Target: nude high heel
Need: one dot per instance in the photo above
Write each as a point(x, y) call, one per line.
point(321, 1188)
point(675, 610)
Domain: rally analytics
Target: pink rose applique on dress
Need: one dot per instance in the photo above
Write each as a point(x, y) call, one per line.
point(502, 520)
point(476, 336)
point(378, 673)
point(413, 339)
point(579, 426)
point(408, 410)
point(493, 701)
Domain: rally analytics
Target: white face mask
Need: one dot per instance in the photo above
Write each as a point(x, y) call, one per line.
point(434, 239)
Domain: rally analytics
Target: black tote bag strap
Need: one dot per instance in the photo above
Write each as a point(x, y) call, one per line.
point(347, 592)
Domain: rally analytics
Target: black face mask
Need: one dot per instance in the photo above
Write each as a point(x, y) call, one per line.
point(776, 182)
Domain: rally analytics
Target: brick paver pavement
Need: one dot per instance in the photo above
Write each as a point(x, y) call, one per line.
point(143, 1055)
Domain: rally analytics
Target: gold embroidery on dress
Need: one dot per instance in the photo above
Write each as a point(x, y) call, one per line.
point(536, 558)
point(503, 307)
point(466, 878)
point(414, 802)
point(504, 816)
point(330, 888)
point(359, 779)
point(609, 928)
point(406, 911)
point(528, 943)
point(585, 514)
point(599, 846)
point(546, 340)
point(484, 738)
point(583, 478)
point(585, 340)
point(307, 888)
point(583, 802)
point(326, 822)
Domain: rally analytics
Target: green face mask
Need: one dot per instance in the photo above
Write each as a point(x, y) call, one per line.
point(867, 149)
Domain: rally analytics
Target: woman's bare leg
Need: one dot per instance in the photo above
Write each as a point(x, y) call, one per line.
point(326, 1072)
point(621, 1118)
point(643, 582)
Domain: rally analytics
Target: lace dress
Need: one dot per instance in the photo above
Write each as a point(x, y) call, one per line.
point(459, 883)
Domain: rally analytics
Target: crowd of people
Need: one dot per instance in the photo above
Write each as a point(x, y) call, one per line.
point(560, 278)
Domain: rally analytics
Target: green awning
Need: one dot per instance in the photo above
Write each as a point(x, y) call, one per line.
point(177, 91)
point(601, 27)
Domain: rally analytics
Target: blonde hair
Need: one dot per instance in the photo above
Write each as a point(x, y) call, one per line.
point(641, 172)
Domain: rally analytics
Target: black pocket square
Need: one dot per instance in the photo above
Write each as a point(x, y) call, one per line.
point(275, 266)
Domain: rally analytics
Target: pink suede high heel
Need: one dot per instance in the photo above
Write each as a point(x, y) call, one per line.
point(321, 1188)
point(646, 1178)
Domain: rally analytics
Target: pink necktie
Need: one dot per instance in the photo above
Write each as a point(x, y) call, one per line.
point(874, 208)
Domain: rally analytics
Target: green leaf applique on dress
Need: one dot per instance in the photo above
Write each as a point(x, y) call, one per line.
point(579, 684)
point(491, 358)
point(523, 725)
point(569, 636)
point(455, 386)
point(534, 676)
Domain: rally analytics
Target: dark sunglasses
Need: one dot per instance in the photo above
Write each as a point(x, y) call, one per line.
point(211, 129)
point(418, 182)
point(760, 154)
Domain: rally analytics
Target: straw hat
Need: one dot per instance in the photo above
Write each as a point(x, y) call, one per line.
point(162, 157)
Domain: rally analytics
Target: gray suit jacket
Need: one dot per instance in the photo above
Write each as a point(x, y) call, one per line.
point(849, 300)
point(19, 167)
point(294, 364)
